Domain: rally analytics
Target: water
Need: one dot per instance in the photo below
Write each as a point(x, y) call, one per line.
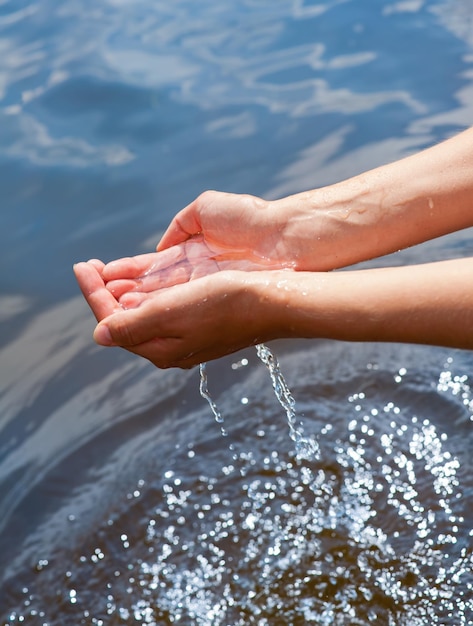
point(120, 500)
point(304, 448)
point(374, 531)
point(205, 393)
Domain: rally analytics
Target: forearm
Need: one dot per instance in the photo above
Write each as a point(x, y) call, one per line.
point(386, 209)
point(428, 304)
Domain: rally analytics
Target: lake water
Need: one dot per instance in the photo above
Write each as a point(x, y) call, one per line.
point(120, 500)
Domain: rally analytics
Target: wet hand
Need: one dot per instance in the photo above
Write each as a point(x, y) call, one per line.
point(132, 280)
point(191, 323)
point(245, 224)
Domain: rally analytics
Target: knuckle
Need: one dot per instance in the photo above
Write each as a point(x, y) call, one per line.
point(121, 333)
point(205, 198)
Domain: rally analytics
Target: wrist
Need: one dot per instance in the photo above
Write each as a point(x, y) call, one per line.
point(331, 227)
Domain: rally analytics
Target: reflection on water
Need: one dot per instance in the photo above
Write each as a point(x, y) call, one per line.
point(116, 114)
point(121, 501)
point(377, 530)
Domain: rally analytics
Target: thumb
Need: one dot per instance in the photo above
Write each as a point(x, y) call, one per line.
point(155, 317)
point(102, 335)
point(123, 329)
point(187, 222)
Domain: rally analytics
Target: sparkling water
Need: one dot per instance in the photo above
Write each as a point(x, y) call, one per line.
point(372, 529)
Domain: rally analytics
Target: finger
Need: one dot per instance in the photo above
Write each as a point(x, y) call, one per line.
point(133, 299)
point(143, 290)
point(143, 264)
point(93, 288)
point(118, 287)
point(169, 277)
point(99, 265)
point(185, 224)
point(128, 267)
point(133, 326)
point(155, 281)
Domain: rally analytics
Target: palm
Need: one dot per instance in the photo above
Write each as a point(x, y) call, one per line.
point(133, 279)
point(244, 224)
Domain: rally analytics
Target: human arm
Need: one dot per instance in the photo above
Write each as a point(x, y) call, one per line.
point(178, 327)
point(378, 212)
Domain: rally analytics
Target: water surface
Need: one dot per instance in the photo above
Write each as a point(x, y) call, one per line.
point(121, 500)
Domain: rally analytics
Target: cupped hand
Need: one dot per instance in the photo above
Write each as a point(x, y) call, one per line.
point(188, 324)
point(132, 279)
point(245, 224)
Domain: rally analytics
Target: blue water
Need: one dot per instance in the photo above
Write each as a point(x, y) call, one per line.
point(120, 500)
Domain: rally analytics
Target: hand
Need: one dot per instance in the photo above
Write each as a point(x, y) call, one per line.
point(131, 280)
point(246, 225)
point(191, 323)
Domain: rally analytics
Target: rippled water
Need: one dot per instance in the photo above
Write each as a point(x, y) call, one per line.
point(206, 529)
point(121, 500)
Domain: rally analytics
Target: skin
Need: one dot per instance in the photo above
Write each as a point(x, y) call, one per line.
point(229, 258)
point(181, 263)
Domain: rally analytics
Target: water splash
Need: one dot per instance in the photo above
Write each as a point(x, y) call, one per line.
point(305, 448)
point(205, 393)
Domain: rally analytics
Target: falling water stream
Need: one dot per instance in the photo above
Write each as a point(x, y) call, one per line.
point(304, 448)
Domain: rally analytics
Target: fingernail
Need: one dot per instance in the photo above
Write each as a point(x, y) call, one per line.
point(102, 335)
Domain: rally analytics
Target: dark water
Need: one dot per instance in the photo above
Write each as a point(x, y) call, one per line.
point(121, 502)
